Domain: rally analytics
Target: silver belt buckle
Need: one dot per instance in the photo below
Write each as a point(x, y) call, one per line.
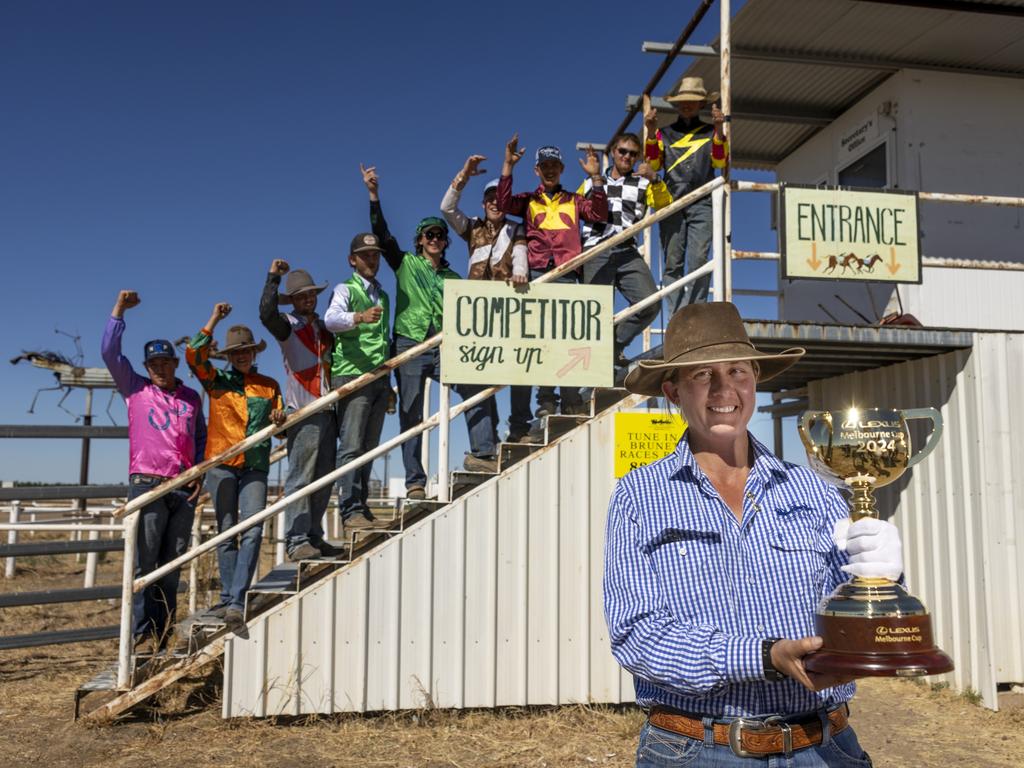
point(737, 726)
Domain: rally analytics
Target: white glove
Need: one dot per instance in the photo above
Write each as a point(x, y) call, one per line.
point(873, 545)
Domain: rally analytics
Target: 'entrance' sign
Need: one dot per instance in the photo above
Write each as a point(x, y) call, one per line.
point(539, 335)
point(844, 234)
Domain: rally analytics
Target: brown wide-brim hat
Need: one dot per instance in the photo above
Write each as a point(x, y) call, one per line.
point(692, 89)
point(700, 334)
point(298, 281)
point(240, 337)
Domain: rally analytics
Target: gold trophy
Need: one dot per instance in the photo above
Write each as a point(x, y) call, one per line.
point(870, 626)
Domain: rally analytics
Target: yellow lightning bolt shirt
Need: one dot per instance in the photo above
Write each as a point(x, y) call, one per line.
point(689, 152)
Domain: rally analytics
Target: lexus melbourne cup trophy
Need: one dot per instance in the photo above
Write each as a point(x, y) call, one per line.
point(870, 626)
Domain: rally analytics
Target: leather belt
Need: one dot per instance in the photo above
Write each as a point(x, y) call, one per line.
point(750, 737)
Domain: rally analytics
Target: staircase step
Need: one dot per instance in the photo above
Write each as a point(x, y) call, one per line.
point(463, 482)
point(603, 398)
point(104, 681)
point(556, 426)
point(513, 453)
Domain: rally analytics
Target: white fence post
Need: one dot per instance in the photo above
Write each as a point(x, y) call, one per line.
point(91, 561)
point(443, 430)
point(193, 572)
point(718, 243)
point(124, 649)
point(12, 538)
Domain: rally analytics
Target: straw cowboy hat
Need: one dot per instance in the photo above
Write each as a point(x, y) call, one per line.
point(692, 89)
point(298, 281)
point(699, 334)
point(239, 338)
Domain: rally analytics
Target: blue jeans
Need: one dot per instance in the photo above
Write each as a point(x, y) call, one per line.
point(164, 530)
point(624, 268)
point(665, 748)
point(237, 495)
point(360, 421)
point(482, 419)
point(685, 238)
point(520, 396)
point(311, 447)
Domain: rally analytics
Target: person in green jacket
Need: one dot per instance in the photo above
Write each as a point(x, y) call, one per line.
point(359, 319)
point(419, 279)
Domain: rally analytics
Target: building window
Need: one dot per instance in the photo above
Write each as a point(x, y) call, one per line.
point(870, 170)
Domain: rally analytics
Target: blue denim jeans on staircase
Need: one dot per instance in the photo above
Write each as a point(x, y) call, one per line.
point(237, 494)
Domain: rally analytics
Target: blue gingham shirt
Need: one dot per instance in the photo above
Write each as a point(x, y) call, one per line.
point(690, 592)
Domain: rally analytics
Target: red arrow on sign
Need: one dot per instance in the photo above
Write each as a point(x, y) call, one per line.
point(576, 356)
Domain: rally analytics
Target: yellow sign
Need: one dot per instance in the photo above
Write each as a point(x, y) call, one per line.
point(537, 335)
point(844, 234)
point(641, 438)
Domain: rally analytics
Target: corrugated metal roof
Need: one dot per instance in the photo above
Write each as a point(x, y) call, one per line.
point(834, 350)
point(819, 57)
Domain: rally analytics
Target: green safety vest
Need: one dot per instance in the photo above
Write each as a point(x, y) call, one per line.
point(420, 296)
point(364, 347)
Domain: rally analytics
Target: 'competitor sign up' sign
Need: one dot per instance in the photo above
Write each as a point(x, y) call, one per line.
point(844, 234)
point(540, 335)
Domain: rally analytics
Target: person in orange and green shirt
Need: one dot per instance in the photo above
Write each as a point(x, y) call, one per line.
point(242, 402)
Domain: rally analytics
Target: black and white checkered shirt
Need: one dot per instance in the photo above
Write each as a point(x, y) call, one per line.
point(627, 204)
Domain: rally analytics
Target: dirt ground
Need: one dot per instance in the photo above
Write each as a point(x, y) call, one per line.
point(900, 723)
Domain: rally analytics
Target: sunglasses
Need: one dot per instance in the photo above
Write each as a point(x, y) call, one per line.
point(627, 152)
point(435, 234)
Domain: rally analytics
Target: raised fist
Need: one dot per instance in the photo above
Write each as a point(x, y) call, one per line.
point(279, 267)
point(128, 299)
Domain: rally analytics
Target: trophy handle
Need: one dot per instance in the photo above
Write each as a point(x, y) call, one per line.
point(933, 438)
point(803, 425)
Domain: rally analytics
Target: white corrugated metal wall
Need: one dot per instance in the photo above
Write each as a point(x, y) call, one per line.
point(495, 601)
point(961, 516)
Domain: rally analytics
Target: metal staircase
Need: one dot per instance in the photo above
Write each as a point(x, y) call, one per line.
point(277, 616)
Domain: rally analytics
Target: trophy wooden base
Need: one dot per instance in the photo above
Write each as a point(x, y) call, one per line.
point(875, 628)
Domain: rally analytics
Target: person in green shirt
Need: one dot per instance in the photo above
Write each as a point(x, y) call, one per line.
point(359, 319)
point(419, 293)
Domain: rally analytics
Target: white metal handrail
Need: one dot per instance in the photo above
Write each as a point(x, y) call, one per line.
point(130, 585)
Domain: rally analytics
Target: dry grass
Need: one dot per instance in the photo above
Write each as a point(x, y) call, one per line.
point(899, 723)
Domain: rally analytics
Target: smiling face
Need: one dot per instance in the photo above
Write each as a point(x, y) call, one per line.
point(432, 242)
point(625, 155)
point(161, 372)
point(550, 173)
point(242, 360)
point(688, 109)
point(717, 401)
point(304, 303)
point(491, 211)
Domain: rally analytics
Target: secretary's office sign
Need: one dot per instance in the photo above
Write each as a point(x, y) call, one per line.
point(538, 335)
point(845, 234)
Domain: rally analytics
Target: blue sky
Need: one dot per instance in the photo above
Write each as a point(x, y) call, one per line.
point(178, 148)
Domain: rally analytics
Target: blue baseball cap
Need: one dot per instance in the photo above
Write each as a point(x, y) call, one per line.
point(549, 153)
point(159, 348)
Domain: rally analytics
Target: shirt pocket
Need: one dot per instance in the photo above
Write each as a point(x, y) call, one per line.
point(799, 548)
point(689, 567)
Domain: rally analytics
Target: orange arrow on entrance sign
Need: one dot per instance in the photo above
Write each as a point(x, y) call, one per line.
point(814, 261)
point(576, 356)
point(893, 265)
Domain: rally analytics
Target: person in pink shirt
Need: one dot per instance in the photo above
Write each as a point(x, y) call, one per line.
point(166, 435)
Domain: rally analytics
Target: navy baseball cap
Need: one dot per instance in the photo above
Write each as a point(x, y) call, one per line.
point(159, 348)
point(492, 184)
point(549, 153)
